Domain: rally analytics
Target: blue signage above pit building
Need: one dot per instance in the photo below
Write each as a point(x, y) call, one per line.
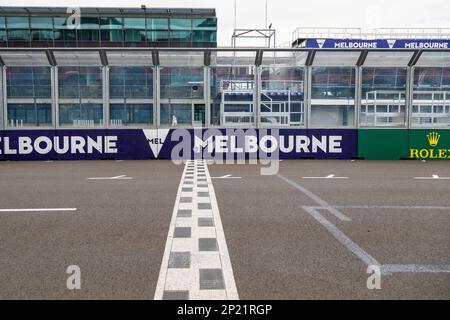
point(376, 44)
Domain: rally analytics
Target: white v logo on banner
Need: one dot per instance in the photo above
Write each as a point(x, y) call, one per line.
point(391, 43)
point(321, 42)
point(156, 139)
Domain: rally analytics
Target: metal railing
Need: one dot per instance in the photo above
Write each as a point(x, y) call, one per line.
point(238, 118)
point(279, 114)
point(430, 108)
point(326, 33)
point(267, 101)
point(275, 119)
point(432, 96)
point(275, 112)
point(272, 112)
point(15, 123)
point(237, 85)
point(116, 123)
point(387, 108)
point(378, 33)
point(293, 86)
point(392, 116)
point(383, 108)
point(86, 123)
point(408, 33)
point(395, 97)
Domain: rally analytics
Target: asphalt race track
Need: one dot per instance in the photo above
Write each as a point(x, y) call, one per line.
point(157, 230)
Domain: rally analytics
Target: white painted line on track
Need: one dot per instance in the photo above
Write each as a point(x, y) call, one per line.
point(227, 176)
point(365, 257)
point(316, 198)
point(159, 292)
point(414, 268)
point(122, 177)
point(392, 207)
point(196, 264)
point(342, 238)
point(331, 176)
point(39, 210)
point(386, 269)
point(433, 177)
point(228, 275)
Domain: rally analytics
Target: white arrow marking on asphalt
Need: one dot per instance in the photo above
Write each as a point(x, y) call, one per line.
point(433, 177)
point(331, 176)
point(227, 176)
point(122, 177)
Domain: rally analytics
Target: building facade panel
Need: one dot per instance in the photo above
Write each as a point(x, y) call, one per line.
point(139, 28)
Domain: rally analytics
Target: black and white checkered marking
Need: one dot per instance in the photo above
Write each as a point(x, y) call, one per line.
point(196, 264)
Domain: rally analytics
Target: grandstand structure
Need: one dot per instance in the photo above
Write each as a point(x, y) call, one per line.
point(160, 69)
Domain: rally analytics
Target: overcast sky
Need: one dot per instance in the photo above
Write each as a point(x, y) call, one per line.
point(287, 15)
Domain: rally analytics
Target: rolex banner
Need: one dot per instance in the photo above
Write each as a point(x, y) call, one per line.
point(394, 144)
point(178, 144)
point(429, 144)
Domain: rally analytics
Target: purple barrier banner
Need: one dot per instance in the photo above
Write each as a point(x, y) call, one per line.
point(89, 144)
point(178, 144)
point(377, 44)
point(260, 143)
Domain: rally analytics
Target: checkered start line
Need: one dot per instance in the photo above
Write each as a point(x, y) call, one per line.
point(196, 264)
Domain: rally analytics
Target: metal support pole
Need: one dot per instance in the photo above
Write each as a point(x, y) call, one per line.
point(156, 95)
point(55, 95)
point(5, 99)
point(266, 14)
point(308, 96)
point(207, 91)
point(222, 108)
point(358, 90)
point(235, 14)
point(257, 97)
point(409, 96)
point(106, 106)
point(2, 103)
point(154, 88)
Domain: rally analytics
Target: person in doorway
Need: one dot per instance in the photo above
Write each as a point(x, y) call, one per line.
point(174, 121)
